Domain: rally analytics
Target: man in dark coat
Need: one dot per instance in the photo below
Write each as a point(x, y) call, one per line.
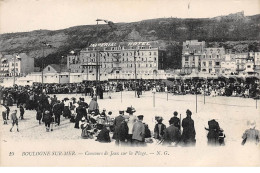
point(57, 111)
point(159, 128)
point(176, 120)
point(189, 133)
point(123, 130)
point(81, 112)
point(213, 134)
point(117, 122)
point(172, 134)
point(103, 135)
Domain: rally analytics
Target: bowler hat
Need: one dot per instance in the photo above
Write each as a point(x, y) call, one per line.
point(140, 117)
point(130, 110)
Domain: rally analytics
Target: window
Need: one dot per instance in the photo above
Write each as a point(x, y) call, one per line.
point(154, 53)
point(204, 64)
point(249, 66)
point(217, 63)
point(154, 59)
point(150, 53)
point(217, 56)
point(210, 63)
point(186, 58)
point(150, 65)
point(49, 69)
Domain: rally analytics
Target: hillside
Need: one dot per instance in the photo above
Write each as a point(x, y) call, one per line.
point(233, 31)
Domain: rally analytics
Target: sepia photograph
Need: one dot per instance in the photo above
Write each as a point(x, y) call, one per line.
point(133, 83)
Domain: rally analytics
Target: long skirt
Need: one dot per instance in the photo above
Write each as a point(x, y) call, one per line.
point(66, 112)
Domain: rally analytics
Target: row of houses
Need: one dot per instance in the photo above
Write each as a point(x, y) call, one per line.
point(201, 59)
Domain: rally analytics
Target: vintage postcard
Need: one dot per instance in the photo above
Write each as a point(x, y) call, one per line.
point(129, 83)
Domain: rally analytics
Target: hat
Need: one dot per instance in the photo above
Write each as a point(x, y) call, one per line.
point(109, 113)
point(140, 117)
point(130, 110)
point(126, 116)
point(158, 118)
point(175, 113)
point(104, 109)
point(188, 112)
point(121, 112)
point(83, 119)
point(93, 112)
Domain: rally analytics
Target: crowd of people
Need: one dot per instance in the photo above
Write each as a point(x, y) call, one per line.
point(126, 128)
point(20, 94)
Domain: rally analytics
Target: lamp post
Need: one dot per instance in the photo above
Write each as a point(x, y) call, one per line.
point(137, 51)
point(44, 44)
point(16, 56)
point(111, 24)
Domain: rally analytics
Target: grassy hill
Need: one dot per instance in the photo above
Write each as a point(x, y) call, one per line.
point(235, 31)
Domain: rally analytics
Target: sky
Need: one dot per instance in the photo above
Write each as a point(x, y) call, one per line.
point(28, 15)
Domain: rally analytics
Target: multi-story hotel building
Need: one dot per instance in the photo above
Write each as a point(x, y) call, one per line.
point(118, 60)
point(211, 60)
point(16, 64)
point(192, 52)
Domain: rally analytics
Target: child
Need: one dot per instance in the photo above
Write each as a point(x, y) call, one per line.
point(14, 120)
point(47, 119)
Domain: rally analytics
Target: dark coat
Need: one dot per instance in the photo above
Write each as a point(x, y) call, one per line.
point(172, 134)
point(214, 130)
point(156, 131)
point(81, 112)
point(123, 131)
point(47, 117)
point(189, 133)
point(117, 122)
point(57, 109)
point(176, 122)
point(103, 135)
